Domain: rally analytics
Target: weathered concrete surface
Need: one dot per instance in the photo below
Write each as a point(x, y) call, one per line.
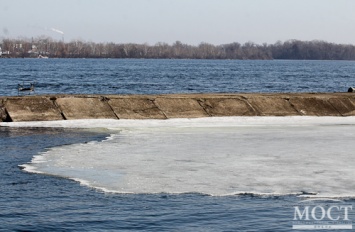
point(344, 106)
point(135, 108)
point(3, 113)
point(32, 109)
point(219, 107)
point(352, 100)
point(314, 106)
point(85, 107)
point(272, 106)
point(176, 107)
point(61, 107)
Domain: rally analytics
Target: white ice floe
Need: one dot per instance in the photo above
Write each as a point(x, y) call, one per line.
point(216, 156)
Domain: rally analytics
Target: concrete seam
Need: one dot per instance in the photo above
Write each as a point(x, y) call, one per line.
point(293, 106)
point(153, 101)
point(8, 117)
point(199, 101)
point(58, 107)
point(324, 103)
point(108, 103)
point(328, 100)
point(251, 107)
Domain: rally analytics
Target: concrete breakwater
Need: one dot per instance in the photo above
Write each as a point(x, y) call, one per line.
point(66, 107)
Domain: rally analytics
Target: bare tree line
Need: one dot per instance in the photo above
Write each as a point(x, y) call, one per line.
point(291, 49)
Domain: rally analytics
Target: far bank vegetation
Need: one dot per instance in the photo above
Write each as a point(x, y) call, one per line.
point(291, 49)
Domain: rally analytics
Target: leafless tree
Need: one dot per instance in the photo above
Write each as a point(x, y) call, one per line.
point(291, 49)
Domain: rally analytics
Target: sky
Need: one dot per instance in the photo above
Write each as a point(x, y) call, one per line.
point(189, 21)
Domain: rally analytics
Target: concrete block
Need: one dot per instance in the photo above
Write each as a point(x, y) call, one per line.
point(219, 107)
point(272, 106)
point(3, 114)
point(180, 107)
point(343, 105)
point(85, 108)
point(32, 109)
point(135, 108)
point(314, 106)
point(352, 112)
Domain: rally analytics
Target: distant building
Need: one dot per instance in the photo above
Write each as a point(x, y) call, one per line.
point(34, 51)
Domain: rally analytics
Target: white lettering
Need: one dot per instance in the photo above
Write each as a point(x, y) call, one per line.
point(300, 215)
point(329, 213)
point(314, 213)
point(346, 218)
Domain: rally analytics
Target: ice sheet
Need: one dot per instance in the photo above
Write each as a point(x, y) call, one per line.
point(215, 156)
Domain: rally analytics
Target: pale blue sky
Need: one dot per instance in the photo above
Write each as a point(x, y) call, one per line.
point(190, 21)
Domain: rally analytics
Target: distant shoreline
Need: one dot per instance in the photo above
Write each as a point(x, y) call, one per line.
point(289, 50)
point(103, 58)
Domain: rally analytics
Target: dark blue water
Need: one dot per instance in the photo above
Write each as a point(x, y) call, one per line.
point(34, 202)
point(132, 76)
